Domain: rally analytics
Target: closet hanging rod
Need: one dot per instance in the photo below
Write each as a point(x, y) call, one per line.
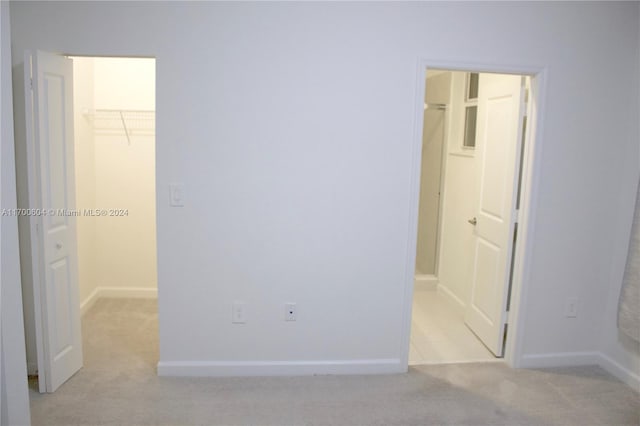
point(126, 131)
point(129, 121)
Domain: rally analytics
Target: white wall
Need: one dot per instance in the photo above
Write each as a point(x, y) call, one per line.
point(619, 350)
point(119, 254)
point(623, 354)
point(433, 139)
point(85, 169)
point(125, 179)
point(460, 203)
point(276, 212)
point(14, 399)
point(125, 83)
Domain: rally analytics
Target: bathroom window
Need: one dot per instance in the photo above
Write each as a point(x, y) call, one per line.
point(473, 78)
point(471, 110)
point(470, 119)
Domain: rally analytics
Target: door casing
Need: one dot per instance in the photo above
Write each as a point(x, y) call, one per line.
point(528, 199)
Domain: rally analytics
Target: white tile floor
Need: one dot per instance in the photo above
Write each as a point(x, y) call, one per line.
point(439, 335)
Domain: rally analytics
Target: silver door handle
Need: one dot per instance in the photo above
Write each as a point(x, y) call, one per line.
point(58, 246)
point(473, 221)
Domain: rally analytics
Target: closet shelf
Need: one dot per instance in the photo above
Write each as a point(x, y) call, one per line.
point(116, 121)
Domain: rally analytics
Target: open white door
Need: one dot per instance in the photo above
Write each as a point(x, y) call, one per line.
point(49, 117)
point(498, 134)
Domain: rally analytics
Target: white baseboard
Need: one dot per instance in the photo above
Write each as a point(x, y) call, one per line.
point(425, 283)
point(559, 359)
point(568, 359)
point(117, 292)
point(277, 368)
point(87, 303)
point(615, 369)
point(454, 300)
point(129, 292)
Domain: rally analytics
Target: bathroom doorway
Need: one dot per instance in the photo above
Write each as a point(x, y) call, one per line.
point(473, 139)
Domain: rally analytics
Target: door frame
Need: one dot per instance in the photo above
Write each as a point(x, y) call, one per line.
point(528, 199)
point(34, 195)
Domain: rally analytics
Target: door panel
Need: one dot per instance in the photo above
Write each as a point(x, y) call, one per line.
point(61, 315)
point(50, 109)
point(500, 116)
point(496, 158)
point(486, 269)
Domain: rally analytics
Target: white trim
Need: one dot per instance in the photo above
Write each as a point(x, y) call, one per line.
point(480, 67)
point(560, 359)
point(87, 303)
point(616, 369)
point(278, 368)
point(460, 361)
point(531, 170)
point(35, 222)
point(570, 359)
point(117, 293)
point(414, 207)
point(453, 300)
point(425, 283)
point(3, 34)
point(129, 292)
point(461, 154)
point(528, 198)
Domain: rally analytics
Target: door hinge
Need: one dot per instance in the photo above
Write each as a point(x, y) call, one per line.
point(31, 83)
point(504, 340)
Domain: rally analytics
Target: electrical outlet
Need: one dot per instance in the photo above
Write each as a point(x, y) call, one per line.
point(290, 312)
point(238, 313)
point(571, 308)
point(176, 198)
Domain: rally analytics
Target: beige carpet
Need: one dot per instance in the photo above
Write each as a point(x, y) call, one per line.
point(119, 386)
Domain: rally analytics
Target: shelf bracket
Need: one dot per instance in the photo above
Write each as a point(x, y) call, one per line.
point(126, 131)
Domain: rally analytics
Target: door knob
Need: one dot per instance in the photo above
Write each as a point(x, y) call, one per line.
point(473, 221)
point(58, 246)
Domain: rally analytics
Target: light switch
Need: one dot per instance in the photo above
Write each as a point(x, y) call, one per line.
point(176, 197)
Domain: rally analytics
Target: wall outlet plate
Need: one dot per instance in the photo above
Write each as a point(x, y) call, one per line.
point(571, 308)
point(176, 194)
point(238, 313)
point(290, 312)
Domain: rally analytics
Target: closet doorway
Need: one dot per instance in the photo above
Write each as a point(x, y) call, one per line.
point(473, 144)
point(90, 156)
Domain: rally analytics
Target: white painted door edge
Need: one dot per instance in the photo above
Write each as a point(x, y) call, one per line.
point(54, 250)
point(32, 176)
